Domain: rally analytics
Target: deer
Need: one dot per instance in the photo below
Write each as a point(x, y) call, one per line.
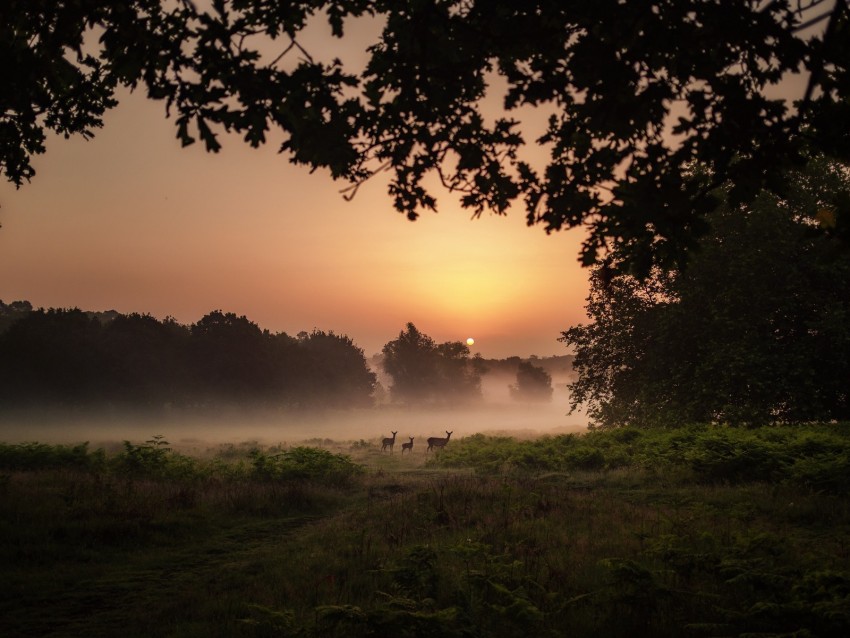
point(407, 446)
point(389, 443)
point(436, 441)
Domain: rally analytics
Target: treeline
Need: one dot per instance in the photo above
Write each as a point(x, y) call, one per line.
point(73, 358)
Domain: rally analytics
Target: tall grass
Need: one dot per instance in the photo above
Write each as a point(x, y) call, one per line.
point(814, 456)
point(692, 532)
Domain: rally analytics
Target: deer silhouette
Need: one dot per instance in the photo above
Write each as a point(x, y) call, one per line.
point(436, 441)
point(388, 443)
point(407, 446)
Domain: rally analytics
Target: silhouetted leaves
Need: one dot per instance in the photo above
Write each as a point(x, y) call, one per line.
point(637, 92)
point(754, 331)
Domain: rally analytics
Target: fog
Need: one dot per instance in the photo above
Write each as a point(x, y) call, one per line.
point(194, 431)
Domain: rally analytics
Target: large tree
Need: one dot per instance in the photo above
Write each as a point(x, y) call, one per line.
point(635, 91)
point(232, 358)
point(755, 330)
point(426, 372)
point(334, 372)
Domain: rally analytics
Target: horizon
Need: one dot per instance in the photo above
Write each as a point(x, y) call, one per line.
point(369, 354)
point(130, 221)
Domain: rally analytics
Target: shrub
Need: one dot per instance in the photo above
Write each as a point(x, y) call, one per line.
point(824, 473)
point(718, 456)
point(41, 456)
point(305, 463)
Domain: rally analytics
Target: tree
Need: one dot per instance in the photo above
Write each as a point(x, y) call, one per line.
point(533, 383)
point(426, 372)
point(52, 357)
point(147, 361)
point(12, 312)
point(71, 357)
point(411, 361)
point(636, 91)
point(231, 358)
point(754, 331)
point(335, 372)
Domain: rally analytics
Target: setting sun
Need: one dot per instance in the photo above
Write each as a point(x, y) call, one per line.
point(517, 287)
point(470, 341)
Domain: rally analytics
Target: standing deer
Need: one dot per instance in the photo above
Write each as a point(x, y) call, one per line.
point(436, 441)
point(388, 443)
point(407, 446)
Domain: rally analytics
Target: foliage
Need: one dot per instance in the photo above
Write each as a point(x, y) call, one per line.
point(658, 546)
point(154, 459)
point(233, 357)
point(41, 456)
point(305, 463)
point(11, 312)
point(754, 331)
point(336, 371)
point(426, 372)
point(533, 383)
point(70, 358)
point(613, 77)
point(810, 457)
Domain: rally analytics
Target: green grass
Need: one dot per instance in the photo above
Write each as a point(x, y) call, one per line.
point(691, 532)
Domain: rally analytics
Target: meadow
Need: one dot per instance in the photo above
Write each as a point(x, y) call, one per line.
point(695, 531)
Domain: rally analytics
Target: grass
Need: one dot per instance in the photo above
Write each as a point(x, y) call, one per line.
point(691, 532)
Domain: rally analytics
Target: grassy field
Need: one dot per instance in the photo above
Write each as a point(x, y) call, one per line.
point(688, 532)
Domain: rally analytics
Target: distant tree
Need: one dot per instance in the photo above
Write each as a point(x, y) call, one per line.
point(147, 361)
point(53, 356)
point(335, 372)
point(755, 330)
point(231, 358)
point(71, 357)
point(11, 312)
point(616, 77)
point(459, 374)
point(423, 371)
point(533, 383)
point(411, 361)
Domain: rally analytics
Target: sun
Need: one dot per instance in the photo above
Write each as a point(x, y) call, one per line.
point(470, 341)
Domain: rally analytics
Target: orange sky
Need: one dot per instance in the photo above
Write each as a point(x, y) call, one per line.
point(132, 222)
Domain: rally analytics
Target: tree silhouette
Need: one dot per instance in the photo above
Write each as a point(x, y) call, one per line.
point(636, 92)
point(231, 356)
point(533, 383)
point(75, 358)
point(426, 372)
point(147, 360)
point(54, 356)
point(411, 361)
point(754, 331)
point(12, 312)
point(337, 371)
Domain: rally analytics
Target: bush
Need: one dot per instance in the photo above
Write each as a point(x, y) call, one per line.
point(825, 473)
point(154, 459)
point(41, 456)
point(305, 463)
point(718, 456)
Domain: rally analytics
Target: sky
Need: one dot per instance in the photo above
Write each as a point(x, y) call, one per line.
point(130, 221)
